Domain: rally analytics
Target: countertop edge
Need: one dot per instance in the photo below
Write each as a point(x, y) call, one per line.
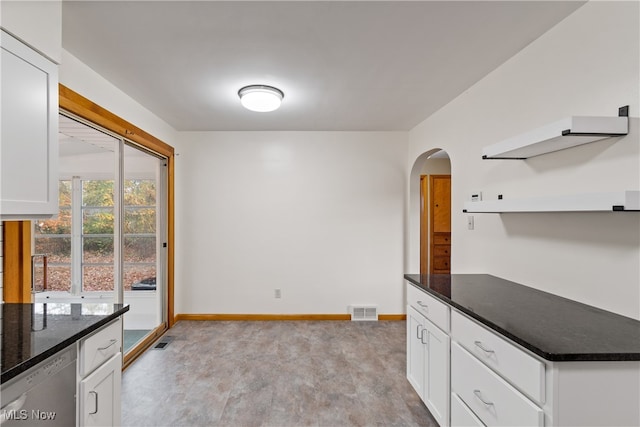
point(551, 357)
point(16, 370)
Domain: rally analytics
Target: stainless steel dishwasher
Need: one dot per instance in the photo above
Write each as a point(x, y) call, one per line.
point(44, 394)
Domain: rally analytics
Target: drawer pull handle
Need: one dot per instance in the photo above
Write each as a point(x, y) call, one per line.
point(479, 396)
point(418, 333)
point(481, 347)
point(95, 393)
point(111, 342)
point(422, 338)
point(423, 305)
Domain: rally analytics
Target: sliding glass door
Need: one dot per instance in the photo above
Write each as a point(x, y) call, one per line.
point(107, 243)
point(144, 238)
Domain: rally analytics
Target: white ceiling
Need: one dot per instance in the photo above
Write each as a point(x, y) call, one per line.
point(360, 65)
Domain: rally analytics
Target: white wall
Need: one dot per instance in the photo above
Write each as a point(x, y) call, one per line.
point(37, 23)
point(318, 215)
point(587, 65)
point(78, 77)
point(1, 261)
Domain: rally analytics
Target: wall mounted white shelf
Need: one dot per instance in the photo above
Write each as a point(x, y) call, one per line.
point(592, 202)
point(566, 133)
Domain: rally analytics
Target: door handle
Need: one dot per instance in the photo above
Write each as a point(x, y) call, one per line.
point(422, 338)
point(95, 393)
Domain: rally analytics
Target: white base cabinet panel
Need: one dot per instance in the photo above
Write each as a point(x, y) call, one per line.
point(100, 395)
point(100, 377)
point(428, 364)
point(586, 394)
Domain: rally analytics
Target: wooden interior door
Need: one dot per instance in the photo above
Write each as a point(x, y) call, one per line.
point(440, 205)
point(435, 224)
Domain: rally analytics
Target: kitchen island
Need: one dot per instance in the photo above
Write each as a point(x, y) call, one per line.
point(61, 364)
point(482, 350)
point(33, 332)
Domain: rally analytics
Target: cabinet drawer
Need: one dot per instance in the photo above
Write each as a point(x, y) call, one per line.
point(492, 399)
point(442, 250)
point(441, 239)
point(429, 307)
point(517, 367)
point(99, 347)
point(441, 263)
point(461, 415)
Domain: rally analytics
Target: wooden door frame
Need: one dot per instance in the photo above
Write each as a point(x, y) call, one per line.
point(425, 223)
point(426, 220)
point(17, 283)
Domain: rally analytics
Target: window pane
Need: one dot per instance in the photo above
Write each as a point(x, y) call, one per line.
point(59, 225)
point(97, 193)
point(64, 193)
point(97, 220)
point(139, 220)
point(97, 250)
point(58, 249)
point(140, 277)
point(139, 192)
point(97, 278)
point(140, 249)
point(59, 277)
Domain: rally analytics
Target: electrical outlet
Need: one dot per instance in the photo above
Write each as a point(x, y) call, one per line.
point(278, 293)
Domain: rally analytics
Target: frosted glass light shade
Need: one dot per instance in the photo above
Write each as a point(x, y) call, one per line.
point(260, 98)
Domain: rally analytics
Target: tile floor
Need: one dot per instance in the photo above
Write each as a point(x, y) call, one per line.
point(329, 373)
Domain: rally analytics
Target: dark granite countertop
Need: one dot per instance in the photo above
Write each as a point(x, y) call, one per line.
point(33, 332)
point(555, 328)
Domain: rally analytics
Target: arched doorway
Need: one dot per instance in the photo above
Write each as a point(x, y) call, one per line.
point(429, 234)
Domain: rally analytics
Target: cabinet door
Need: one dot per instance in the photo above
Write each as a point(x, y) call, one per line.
point(100, 395)
point(29, 140)
point(416, 350)
point(436, 392)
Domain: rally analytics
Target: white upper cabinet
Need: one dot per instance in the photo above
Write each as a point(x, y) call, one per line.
point(29, 133)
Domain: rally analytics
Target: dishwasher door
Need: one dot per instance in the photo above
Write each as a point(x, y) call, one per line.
point(44, 395)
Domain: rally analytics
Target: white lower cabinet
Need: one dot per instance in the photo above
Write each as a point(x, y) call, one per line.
point(100, 377)
point(503, 384)
point(490, 397)
point(470, 375)
point(100, 395)
point(428, 364)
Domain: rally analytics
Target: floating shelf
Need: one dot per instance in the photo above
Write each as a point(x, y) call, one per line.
point(566, 133)
point(591, 202)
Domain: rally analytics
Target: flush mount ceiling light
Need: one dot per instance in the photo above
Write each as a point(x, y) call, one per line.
point(260, 98)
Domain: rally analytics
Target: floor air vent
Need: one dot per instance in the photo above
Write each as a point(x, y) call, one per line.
point(363, 312)
point(163, 343)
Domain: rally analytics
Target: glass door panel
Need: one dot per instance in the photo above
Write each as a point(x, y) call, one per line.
point(79, 242)
point(143, 233)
